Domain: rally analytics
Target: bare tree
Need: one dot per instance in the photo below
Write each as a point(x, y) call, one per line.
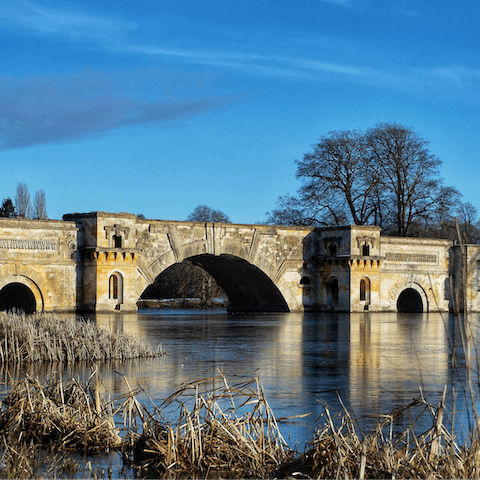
point(295, 211)
point(410, 186)
point(40, 205)
point(185, 280)
point(290, 211)
point(339, 175)
point(386, 177)
point(22, 201)
point(202, 213)
point(469, 223)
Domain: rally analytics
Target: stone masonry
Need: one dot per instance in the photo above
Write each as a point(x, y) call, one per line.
point(95, 262)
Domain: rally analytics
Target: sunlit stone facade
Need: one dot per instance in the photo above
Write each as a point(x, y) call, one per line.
point(102, 262)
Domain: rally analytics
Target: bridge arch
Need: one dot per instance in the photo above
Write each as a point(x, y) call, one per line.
point(412, 299)
point(248, 288)
point(21, 293)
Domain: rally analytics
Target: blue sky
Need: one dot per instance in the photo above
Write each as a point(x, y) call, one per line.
point(157, 106)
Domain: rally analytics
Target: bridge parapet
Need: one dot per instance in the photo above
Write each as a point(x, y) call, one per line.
point(103, 261)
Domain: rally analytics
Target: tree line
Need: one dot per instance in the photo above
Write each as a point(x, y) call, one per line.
point(23, 208)
point(384, 176)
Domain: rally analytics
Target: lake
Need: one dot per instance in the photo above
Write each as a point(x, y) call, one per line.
point(374, 362)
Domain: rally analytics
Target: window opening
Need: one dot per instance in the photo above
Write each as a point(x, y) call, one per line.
point(366, 250)
point(117, 241)
point(362, 290)
point(332, 290)
point(305, 281)
point(113, 287)
point(332, 250)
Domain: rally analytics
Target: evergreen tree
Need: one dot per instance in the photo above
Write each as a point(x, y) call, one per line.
point(8, 209)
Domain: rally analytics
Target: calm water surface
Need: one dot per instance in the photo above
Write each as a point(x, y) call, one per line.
point(373, 362)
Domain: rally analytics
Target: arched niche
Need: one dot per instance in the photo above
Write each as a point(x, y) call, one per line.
point(332, 290)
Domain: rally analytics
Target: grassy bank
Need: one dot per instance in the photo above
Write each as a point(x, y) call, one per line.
point(55, 338)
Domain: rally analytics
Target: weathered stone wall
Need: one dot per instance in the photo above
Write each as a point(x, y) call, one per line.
point(103, 262)
point(107, 253)
point(465, 265)
point(419, 264)
point(373, 271)
point(40, 255)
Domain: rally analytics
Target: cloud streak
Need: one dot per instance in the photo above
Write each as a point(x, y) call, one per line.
point(341, 3)
point(397, 77)
point(45, 110)
point(39, 19)
point(108, 35)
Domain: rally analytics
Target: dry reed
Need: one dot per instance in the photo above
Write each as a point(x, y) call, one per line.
point(52, 338)
point(63, 415)
point(219, 430)
point(339, 450)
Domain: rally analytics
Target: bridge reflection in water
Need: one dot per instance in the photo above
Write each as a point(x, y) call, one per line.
point(374, 362)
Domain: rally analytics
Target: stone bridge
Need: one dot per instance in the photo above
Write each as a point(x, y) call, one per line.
point(92, 262)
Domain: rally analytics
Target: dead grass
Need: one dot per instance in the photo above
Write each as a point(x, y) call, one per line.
point(219, 430)
point(339, 450)
point(45, 337)
point(229, 431)
point(64, 416)
point(214, 428)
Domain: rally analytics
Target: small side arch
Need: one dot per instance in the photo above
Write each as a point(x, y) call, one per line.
point(412, 299)
point(305, 281)
point(17, 291)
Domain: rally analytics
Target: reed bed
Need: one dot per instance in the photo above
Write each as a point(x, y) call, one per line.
point(21, 460)
point(66, 416)
point(231, 432)
point(340, 450)
point(219, 430)
point(216, 429)
point(53, 338)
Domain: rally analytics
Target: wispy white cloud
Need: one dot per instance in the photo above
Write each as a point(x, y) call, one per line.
point(341, 3)
point(399, 77)
point(91, 108)
point(33, 17)
point(250, 63)
point(46, 109)
point(397, 7)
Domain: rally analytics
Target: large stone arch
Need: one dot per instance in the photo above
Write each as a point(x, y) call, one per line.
point(248, 286)
point(265, 255)
point(27, 282)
